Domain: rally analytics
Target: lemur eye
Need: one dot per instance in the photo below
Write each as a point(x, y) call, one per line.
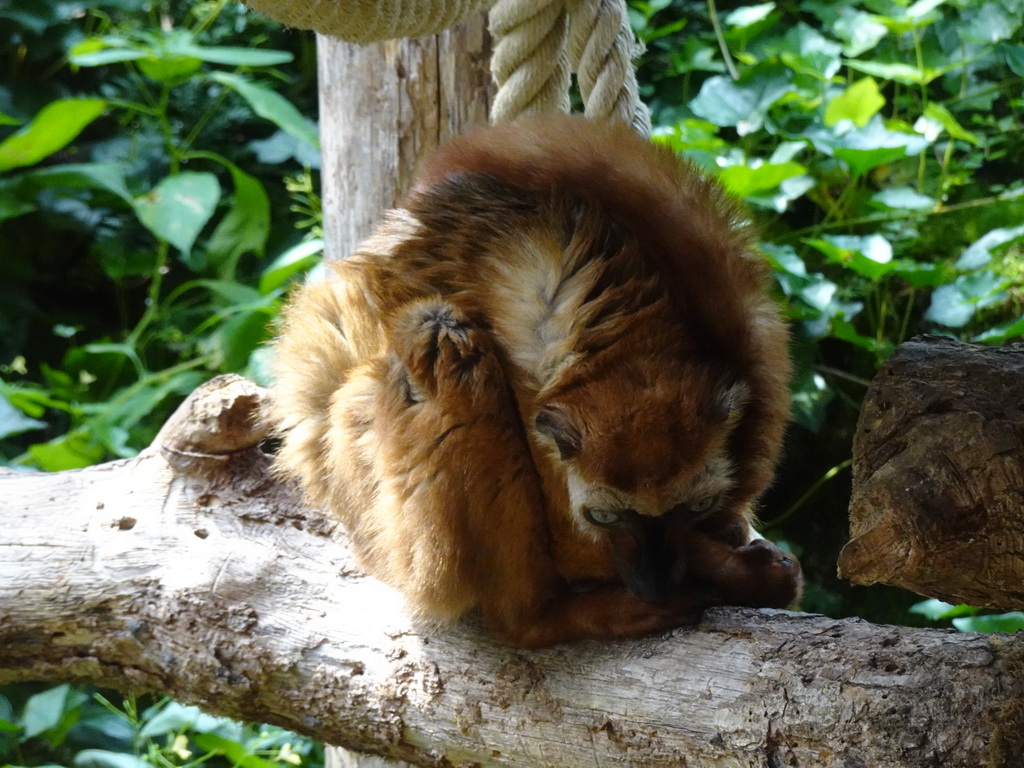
point(703, 505)
point(602, 516)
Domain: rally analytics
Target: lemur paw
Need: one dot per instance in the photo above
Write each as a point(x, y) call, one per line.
point(776, 575)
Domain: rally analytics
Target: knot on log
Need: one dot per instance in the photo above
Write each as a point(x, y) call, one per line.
point(218, 419)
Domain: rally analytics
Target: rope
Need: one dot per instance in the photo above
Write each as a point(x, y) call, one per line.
point(365, 21)
point(529, 62)
point(537, 44)
point(534, 53)
point(602, 49)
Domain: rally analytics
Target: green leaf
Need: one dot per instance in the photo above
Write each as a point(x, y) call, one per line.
point(1004, 622)
point(689, 135)
point(870, 255)
point(110, 426)
point(784, 258)
point(749, 14)
point(233, 293)
point(979, 253)
point(1002, 333)
point(810, 398)
point(294, 260)
point(896, 70)
point(859, 32)
point(178, 207)
point(107, 176)
point(920, 14)
point(74, 450)
point(808, 52)
point(842, 329)
point(860, 161)
point(13, 202)
point(280, 147)
point(1014, 57)
point(175, 718)
point(13, 421)
point(742, 104)
point(51, 712)
point(819, 293)
point(903, 199)
point(235, 339)
point(234, 751)
point(53, 128)
point(745, 181)
point(936, 610)
point(6, 119)
point(858, 103)
point(100, 51)
point(101, 758)
point(939, 114)
point(245, 227)
point(954, 305)
point(919, 274)
point(869, 147)
point(987, 23)
point(232, 56)
point(270, 105)
point(922, 8)
point(169, 68)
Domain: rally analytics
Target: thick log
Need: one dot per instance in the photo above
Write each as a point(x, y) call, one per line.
point(188, 570)
point(938, 475)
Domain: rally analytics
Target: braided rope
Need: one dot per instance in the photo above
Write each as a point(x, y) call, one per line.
point(533, 56)
point(365, 21)
point(529, 61)
point(538, 43)
point(601, 50)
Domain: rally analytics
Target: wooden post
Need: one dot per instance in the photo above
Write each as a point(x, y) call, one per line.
point(383, 108)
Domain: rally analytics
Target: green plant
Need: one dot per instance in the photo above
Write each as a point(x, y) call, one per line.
point(967, 619)
point(65, 725)
point(157, 212)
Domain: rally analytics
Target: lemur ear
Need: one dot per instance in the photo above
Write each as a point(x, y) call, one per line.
point(554, 423)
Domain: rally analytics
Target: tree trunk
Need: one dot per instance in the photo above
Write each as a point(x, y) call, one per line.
point(189, 570)
point(938, 475)
point(383, 107)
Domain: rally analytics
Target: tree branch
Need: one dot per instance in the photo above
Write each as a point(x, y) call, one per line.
point(189, 570)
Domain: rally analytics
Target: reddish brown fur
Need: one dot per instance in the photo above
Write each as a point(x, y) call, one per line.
point(551, 287)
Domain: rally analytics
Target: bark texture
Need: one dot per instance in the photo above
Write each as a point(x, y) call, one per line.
point(383, 107)
point(189, 570)
point(938, 475)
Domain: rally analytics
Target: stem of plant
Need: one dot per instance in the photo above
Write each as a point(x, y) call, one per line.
point(726, 56)
point(795, 506)
point(153, 294)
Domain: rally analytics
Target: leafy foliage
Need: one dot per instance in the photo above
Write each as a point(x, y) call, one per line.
point(872, 139)
point(65, 725)
point(137, 214)
point(147, 171)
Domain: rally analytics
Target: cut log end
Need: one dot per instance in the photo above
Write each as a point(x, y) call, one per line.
point(938, 475)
